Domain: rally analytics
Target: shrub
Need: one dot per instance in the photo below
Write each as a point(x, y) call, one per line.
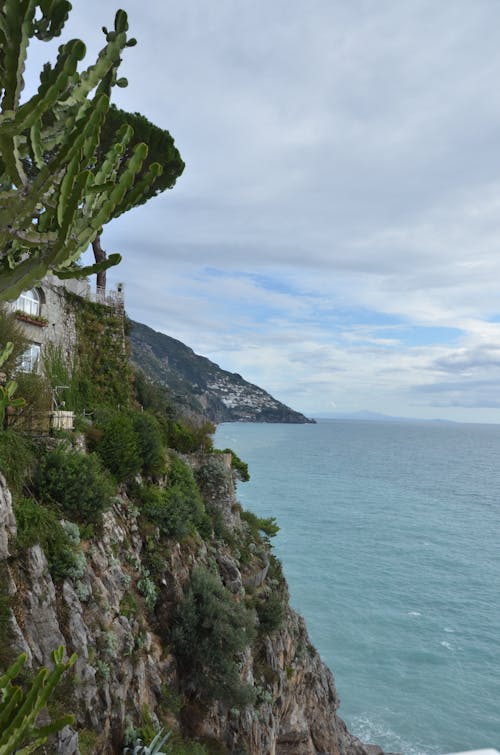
point(61, 374)
point(189, 438)
point(34, 415)
point(268, 526)
point(17, 458)
point(76, 482)
point(239, 466)
point(271, 613)
point(149, 439)
point(210, 628)
point(39, 524)
point(212, 478)
point(147, 588)
point(117, 444)
point(178, 509)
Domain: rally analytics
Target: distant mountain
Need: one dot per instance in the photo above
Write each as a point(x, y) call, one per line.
point(201, 386)
point(368, 416)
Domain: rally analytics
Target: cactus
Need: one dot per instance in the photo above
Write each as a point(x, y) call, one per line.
point(19, 732)
point(56, 191)
point(7, 391)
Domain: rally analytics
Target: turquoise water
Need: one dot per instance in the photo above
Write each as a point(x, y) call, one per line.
point(390, 544)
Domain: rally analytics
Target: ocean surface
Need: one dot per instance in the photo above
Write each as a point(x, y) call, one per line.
point(390, 542)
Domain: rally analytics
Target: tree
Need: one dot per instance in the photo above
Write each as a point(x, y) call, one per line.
point(57, 190)
point(161, 150)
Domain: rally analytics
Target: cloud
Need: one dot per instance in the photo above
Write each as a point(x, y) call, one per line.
point(335, 234)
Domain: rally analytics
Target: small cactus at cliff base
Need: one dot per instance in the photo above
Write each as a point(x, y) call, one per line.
point(7, 391)
point(153, 748)
point(19, 711)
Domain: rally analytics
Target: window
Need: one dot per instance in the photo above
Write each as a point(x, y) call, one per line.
point(29, 359)
point(29, 302)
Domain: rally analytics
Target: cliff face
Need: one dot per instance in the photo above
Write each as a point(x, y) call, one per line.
point(126, 672)
point(201, 385)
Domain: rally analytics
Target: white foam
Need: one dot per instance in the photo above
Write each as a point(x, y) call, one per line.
point(414, 613)
point(446, 645)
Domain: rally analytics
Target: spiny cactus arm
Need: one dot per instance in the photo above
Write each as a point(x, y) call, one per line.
point(17, 25)
point(107, 60)
point(125, 181)
point(111, 159)
point(50, 89)
point(54, 16)
point(32, 238)
point(105, 177)
point(73, 201)
point(43, 733)
point(16, 667)
point(23, 724)
point(4, 355)
point(13, 697)
point(36, 145)
point(82, 272)
point(17, 22)
point(138, 190)
point(9, 149)
point(21, 720)
point(23, 276)
point(75, 180)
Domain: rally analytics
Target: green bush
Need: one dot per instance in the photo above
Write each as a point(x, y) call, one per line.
point(212, 478)
point(149, 439)
point(239, 466)
point(76, 482)
point(17, 458)
point(39, 524)
point(35, 390)
point(271, 613)
point(117, 444)
point(61, 373)
point(189, 438)
point(178, 509)
point(210, 628)
point(260, 525)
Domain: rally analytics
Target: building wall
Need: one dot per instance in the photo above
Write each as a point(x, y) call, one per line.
point(57, 325)
point(60, 326)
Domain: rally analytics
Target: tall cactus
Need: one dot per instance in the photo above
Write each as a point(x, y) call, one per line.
point(19, 732)
point(56, 189)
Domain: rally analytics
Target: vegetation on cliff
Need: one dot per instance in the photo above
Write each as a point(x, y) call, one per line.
point(163, 468)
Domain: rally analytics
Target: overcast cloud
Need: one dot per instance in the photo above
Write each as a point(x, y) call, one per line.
point(335, 237)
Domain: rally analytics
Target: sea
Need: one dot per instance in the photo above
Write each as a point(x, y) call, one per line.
point(390, 542)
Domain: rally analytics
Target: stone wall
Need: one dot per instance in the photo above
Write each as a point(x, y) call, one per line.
point(58, 324)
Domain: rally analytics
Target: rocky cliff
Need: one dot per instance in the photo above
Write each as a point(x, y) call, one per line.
point(201, 385)
point(118, 623)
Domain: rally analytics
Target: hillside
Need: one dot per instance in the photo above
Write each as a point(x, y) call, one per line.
point(201, 386)
point(124, 542)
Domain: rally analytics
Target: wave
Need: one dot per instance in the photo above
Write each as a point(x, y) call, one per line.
point(369, 729)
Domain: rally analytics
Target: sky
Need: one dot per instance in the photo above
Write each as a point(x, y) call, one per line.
point(335, 236)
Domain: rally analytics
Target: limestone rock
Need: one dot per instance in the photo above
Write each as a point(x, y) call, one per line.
point(124, 664)
point(7, 519)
